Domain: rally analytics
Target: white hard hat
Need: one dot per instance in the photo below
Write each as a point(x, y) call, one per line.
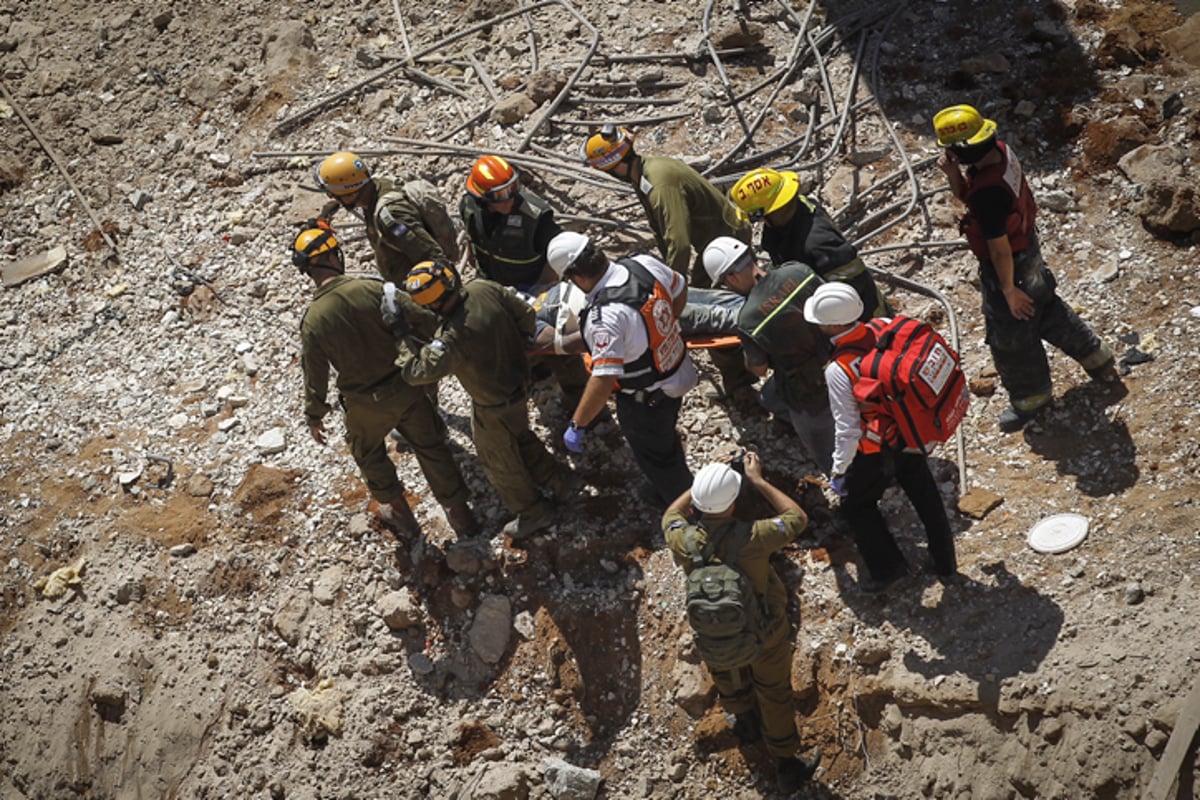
point(723, 254)
point(833, 303)
point(715, 488)
point(563, 250)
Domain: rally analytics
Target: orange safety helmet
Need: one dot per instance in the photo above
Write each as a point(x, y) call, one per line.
point(493, 179)
point(342, 174)
point(764, 191)
point(430, 281)
point(606, 149)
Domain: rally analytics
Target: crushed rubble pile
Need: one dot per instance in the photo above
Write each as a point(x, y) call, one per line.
point(198, 600)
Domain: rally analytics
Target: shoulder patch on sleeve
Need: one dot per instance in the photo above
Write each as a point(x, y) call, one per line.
point(779, 524)
point(645, 185)
point(438, 344)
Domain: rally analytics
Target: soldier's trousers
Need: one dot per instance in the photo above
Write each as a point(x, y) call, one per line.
point(766, 687)
point(408, 410)
point(1016, 344)
point(513, 458)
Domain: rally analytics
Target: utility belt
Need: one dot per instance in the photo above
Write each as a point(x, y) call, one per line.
point(647, 397)
point(381, 392)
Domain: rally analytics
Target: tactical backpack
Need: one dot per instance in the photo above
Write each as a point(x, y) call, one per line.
point(723, 608)
point(910, 385)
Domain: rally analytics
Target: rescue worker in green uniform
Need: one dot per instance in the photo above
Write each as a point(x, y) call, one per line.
point(685, 211)
point(776, 337)
point(406, 222)
point(758, 696)
point(797, 228)
point(481, 339)
point(508, 230)
point(343, 328)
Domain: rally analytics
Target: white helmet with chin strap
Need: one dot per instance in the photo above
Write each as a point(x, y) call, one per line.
point(563, 250)
point(725, 254)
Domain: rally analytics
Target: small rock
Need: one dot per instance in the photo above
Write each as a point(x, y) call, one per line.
point(513, 109)
point(272, 442)
point(568, 782)
point(220, 160)
point(138, 199)
point(105, 136)
point(1133, 594)
point(399, 610)
point(183, 550)
point(1057, 201)
point(978, 503)
point(161, 20)
point(367, 59)
point(328, 585)
point(421, 664)
point(1106, 272)
point(491, 629)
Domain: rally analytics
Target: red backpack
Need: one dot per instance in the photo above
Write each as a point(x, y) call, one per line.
point(910, 386)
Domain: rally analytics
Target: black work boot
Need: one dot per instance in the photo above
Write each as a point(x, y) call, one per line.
point(400, 518)
point(745, 726)
point(795, 771)
point(1013, 420)
point(462, 521)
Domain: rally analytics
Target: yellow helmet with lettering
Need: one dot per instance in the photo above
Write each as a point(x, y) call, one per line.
point(341, 174)
point(606, 149)
point(430, 281)
point(962, 125)
point(764, 191)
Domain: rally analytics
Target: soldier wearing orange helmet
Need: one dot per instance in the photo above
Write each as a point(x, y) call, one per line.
point(508, 230)
point(797, 228)
point(406, 222)
point(1021, 306)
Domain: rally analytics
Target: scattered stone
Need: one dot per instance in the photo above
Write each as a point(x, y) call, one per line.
point(464, 558)
point(491, 629)
point(978, 503)
point(272, 442)
point(694, 688)
point(109, 700)
point(367, 59)
point(318, 712)
point(183, 550)
point(328, 585)
point(568, 782)
point(872, 652)
point(161, 20)
point(288, 620)
point(103, 135)
point(1133, 594)
point(739, 33)
point(862, 156)
point(498, 781)
point(138, 199)
point(1107, 271)
point(1057, 201)
point(513, 109)
point(359, 526)
point(421, 664)
point(399, 610)
point(545, 85)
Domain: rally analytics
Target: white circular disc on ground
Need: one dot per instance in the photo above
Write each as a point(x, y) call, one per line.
point(1059, 533)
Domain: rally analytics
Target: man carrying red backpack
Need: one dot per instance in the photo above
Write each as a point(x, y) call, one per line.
point(869, 451)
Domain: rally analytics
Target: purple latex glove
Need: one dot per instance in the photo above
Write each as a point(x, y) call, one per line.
point(573, 438)
point(838, 484)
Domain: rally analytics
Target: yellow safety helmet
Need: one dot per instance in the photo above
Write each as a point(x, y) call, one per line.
point(764, 191)
point(606, 149)
point(341, 174)
point(430, 281)
point(313, 242)
point(962, 125)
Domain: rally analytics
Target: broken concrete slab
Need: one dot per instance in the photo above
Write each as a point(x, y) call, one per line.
point(53, 260)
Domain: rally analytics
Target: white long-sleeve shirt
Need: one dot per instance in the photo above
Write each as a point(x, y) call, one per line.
point(847, 418)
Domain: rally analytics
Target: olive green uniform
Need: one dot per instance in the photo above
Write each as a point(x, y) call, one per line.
point(482, 343)
point(769, 688)
point(343, 328)
point(686, 213)
point(407, 225)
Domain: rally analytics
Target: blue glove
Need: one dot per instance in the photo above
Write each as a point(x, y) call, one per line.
point(838, 484)
point(573, 438)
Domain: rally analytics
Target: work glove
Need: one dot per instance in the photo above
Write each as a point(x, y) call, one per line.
point(573, 438)
point(838, 484)
point(393, 317)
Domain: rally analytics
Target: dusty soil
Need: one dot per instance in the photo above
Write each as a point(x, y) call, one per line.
point(225, 637)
